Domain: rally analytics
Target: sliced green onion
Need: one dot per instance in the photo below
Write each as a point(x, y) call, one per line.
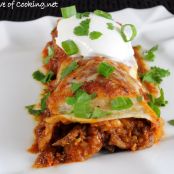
point(103, 14)
point(110, 26)
point(70, 47)
point(98, 113)
point(155, 108)
point(70, 100)
point(44, 100)
point(81, 15)
point(123, 32)
point(47, 59)
point(121, 103)
point(83, 109)
point(83, 28)
point(95, 35)
point(70, 68)
point(105, 69)
point(76, 86)
point(68, 11)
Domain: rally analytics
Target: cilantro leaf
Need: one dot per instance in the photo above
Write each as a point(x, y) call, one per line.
point(76, 86)
point(83, 28)
point(155, 75)
point(39, 76)
point(150, 55)
point(160, 101)
point(121, 103)
point(156, 103)
point(155, 108)
point(70, 100)
point(110, 26)
point(33, 111)
point(98, 113)
point(44, 100)
point(95, 35)
point(50, 55)
point(31, 108)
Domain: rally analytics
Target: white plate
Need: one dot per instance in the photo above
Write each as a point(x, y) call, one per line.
point(20, 48)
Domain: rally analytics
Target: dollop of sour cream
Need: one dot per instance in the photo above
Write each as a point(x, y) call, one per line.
point(110, 44)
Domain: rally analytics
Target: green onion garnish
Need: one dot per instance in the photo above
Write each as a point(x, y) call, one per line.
point(156, 103)
point(83, 28)
point(47, 59)
point(44, 100)
point(76, 86)
point(70, 47)
point(70, 68)
point(39, 76)
point(123, 32)
point(70, 100)
point(98, 113)
point(155, 108)
point(121, 103)
point(81, 15)
point(110, 26)
point(155, 75)
point(105, 69)
point(68, 11)
point(150, 55)
point(95, 35)
point(31, 108)
point(160, 101)
point(82, 107)
point(103, 14)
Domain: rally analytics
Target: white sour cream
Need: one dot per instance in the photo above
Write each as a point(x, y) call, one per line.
point(110, 44)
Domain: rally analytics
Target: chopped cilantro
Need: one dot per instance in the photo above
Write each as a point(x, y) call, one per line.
point(98, 113)
point(95, 35)
point(110, 26)
point(155, 75)
point(150, 55)
point(121, 103)
point(39, 76)
point(76, 86)
point(83, 28)
point(155, 108)
point(31, 108)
